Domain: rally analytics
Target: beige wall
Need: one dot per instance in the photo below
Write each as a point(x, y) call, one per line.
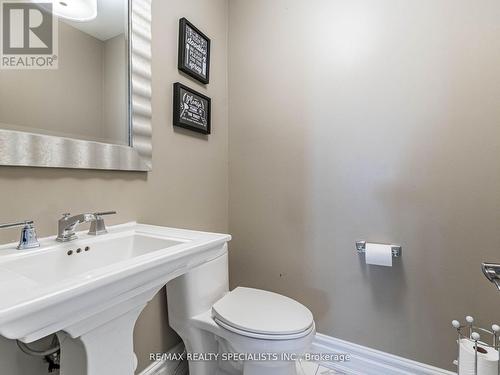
point(188, 186)
point(376, 120)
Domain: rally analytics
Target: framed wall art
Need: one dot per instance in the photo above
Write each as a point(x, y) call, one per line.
point(191, 109)
point(194, 52)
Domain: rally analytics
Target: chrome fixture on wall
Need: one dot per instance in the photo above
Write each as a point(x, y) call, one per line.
point(28, 238)
point(492, 273)
point(397, 250)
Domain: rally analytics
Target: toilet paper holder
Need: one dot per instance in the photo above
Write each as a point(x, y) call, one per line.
point(396, 249)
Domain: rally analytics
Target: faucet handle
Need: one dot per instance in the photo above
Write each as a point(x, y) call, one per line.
point(97, 214)
point(28, 238)
point(15, 225)
point(66, 215)
point(98, 226)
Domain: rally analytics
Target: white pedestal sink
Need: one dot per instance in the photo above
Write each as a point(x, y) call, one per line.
point(92, 290)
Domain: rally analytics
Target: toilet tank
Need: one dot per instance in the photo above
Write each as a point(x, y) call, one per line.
point(196, 291)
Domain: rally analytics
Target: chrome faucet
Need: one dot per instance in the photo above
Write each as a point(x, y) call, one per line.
point(67, 225)
point(28, 238)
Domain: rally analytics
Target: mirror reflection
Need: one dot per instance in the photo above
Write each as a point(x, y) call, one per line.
point(86, 97)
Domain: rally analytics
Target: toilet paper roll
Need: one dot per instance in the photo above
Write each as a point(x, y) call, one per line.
point(378, 254)
point(487, 359)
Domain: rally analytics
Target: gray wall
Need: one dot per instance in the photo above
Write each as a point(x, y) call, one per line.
point(376, 120)
point(188, 186)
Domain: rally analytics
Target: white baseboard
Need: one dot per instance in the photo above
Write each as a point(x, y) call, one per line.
point(363, 361)
point(167, 367)
point(366, 361)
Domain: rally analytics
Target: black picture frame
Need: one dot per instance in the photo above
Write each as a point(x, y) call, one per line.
point(193, 69)
point(188, 109)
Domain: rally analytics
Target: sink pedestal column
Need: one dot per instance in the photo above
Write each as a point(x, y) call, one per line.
point(107, 349)
point(103, 343)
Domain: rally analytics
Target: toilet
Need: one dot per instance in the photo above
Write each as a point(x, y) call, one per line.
point(244, 331)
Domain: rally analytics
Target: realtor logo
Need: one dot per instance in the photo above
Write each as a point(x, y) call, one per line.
point(29, 32)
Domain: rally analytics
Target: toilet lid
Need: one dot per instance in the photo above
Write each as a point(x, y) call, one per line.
point(262, 312)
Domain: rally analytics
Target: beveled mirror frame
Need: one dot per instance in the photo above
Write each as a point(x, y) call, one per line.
point(36, 150)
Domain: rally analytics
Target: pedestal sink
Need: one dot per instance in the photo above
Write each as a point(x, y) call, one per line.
point(92, 290)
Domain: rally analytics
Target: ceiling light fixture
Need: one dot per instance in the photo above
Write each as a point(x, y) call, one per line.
point(74, 10)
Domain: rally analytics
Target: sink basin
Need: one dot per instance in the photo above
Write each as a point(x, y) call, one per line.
point(90, 291)
point(56, 265)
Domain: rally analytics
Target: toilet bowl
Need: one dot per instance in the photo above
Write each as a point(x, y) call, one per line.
point(245, 331)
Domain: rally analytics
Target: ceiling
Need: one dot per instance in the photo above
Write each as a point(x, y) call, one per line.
point(110, 21)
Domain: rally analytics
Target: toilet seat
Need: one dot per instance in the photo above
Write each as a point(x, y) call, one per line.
point(262, 315)
point(259, 336)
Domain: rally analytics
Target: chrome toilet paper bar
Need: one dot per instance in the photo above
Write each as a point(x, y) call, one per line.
point(396, 249)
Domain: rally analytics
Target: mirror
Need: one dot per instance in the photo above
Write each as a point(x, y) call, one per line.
point(91, 108)
point(86, 96)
